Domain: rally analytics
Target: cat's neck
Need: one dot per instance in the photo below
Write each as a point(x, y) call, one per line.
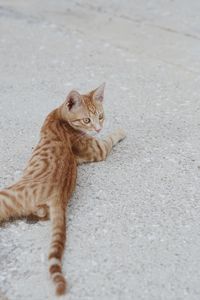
point(56, 117)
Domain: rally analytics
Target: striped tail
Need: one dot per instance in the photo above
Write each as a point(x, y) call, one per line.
point(12, 204)
point(57, 216)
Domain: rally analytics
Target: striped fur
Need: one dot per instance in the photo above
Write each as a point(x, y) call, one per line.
point(49, 179)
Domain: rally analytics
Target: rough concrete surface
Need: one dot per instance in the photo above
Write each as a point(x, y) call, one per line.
point(134, 220)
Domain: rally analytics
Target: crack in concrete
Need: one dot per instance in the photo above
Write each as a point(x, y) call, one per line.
point(143, 21)
point(168, 29)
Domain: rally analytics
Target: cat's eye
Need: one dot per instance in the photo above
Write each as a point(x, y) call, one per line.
point(100, 116)
point(86, 120)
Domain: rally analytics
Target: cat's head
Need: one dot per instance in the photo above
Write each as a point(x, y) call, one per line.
point(85, 112)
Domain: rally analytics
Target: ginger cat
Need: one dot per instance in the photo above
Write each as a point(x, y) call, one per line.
point(50, 176)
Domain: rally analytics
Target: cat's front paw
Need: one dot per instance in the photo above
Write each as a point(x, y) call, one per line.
point(119, 135)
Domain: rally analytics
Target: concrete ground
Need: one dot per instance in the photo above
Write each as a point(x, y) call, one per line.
point(134, 220)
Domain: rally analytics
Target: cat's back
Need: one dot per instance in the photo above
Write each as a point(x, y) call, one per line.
point(52, 159)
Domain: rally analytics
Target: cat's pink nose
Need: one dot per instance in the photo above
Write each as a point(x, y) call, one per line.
point(98, 130)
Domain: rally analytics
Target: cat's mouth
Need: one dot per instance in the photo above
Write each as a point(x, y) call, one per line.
point(93, 133)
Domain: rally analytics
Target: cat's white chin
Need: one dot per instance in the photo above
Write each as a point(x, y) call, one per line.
point(93, 133)
point(88, 132)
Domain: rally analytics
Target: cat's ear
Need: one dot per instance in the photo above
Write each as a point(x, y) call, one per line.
point(98, 94)
point(73, 100)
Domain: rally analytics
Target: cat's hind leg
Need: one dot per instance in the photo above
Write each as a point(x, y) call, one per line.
point(41, 213)
point(13, 204)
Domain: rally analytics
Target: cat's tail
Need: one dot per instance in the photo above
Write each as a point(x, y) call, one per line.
point(12, 204)
point(57, 216)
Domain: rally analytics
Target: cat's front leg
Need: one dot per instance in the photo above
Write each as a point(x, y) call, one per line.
point(113, 139)
point(91, 149)
point(116, 136)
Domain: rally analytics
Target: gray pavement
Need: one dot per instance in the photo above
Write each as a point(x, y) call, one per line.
point(134, 220)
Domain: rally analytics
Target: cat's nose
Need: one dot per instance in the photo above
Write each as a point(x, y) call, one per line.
point(98, 129)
